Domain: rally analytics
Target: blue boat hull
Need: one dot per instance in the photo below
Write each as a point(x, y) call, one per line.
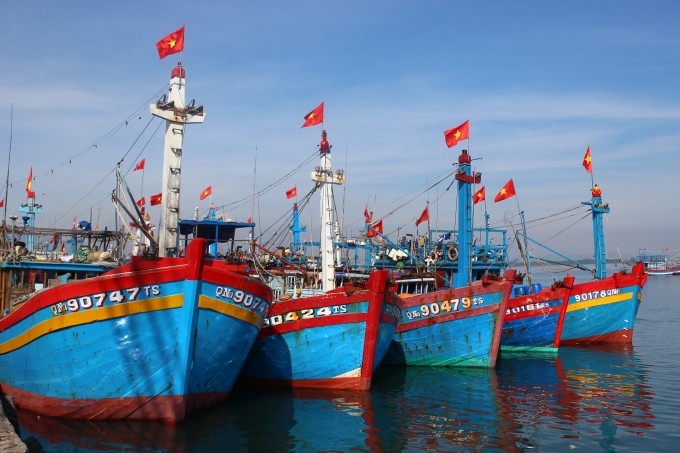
point(151, 341)
point(334, 341)
point(451, 327)
point(604, 311)
point(533, 323)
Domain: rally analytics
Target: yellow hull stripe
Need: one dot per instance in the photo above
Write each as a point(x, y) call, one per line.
point(230, 310)
point(89, 316)
point(598, 302)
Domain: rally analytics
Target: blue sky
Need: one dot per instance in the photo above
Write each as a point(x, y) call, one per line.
point(539, 81)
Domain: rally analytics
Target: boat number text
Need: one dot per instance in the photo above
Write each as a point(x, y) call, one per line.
point(596, 294)
point(527, 307)
point(238, 297)
point(98, 300)
point(307, 313)
point(445, 306)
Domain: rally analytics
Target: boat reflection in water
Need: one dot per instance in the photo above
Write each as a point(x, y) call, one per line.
point(437, 409)
point(593, 399)
point(269, 420)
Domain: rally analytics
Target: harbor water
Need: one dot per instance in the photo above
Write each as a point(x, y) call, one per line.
point(582, 399)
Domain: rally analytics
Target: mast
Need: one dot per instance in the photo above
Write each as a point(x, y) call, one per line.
point(297, 229)
point(465, 179)
point(31, 208)
point(323, 174)
point(598, 209)
point(9, 160)
point(172, 109)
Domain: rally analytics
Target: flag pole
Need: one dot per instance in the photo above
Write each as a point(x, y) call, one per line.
point(525, 255)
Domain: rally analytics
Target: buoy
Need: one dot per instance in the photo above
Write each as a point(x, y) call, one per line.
point(452, 253)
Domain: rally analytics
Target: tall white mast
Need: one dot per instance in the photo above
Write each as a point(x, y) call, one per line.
point(324, 175)
point(176, 113)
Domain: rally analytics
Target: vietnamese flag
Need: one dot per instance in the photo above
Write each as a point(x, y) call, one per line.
point(141, 202)
point(378, 227)
point(29, 185)
point(424, 216)
point(2, 203)
point(172, 43)
point(250, 220)
point(156, 199)
point(314, 117)
point(457, 134)
point(140, 165)
point(480, 195)
point(587, 161)
point(206, 192)
point(291, 193)
point(506, 192)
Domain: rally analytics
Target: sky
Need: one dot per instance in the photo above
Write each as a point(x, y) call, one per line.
point(539, 81)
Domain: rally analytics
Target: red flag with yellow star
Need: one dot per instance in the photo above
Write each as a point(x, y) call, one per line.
point(29, 185)
point(156, 199)
point(506, 192)
point(206, 192)
point(480, 195)
point(457, 134)
point(291, 192)
point(314, 117)
point(587, 161)
point(173, 43)
point(378, 227)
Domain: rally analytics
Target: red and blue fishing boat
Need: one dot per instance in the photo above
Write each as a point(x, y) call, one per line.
point(153, 339)
point(319, 335)
point(600, 311)
point(458, 324)
point(603, 311)
point(534, 322)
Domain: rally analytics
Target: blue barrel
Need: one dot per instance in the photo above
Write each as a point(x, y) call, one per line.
point(536, 288)
point(521, 290)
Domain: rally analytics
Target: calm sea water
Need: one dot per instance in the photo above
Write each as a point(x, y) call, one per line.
point(583, 399)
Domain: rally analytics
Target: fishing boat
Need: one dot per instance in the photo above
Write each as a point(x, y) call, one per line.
point(458, 324)
point(658, 264)
point(603, 310)
point(152, 339)
point(533, 322)
point(319, 335)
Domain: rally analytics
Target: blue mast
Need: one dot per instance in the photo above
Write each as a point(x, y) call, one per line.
point(297, 229)
point(465, 179)
point(598, 209)
point(30, 208)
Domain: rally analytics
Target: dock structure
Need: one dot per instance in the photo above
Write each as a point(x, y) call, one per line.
point(10, 442)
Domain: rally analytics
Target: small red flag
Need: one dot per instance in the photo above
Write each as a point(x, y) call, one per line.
point(156, 199)
point(506, 192)
point(378, 227)
point(250, 220)
point(2, 203)
point(480, 195)
point(291, 193)
point(587, 161)
point(424, 216)
point(140, 165)
point(314, 117)
point(29, 185)
point(457, 134)
point(141, 202)
point(172, 43)
point(206, 192)
point(367, 215)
